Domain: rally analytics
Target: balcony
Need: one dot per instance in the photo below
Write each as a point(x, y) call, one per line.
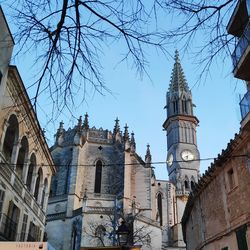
point(241, 56)
point(245, 105)
point(8, 228)
point(239, 18)
point(245, 109)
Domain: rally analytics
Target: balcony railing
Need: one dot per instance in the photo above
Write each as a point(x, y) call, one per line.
point(245, 105)
point(241, 47)
point(8, 228)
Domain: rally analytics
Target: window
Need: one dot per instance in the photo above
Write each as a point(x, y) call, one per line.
point(76, 234)
point(30, 171)
point(11, 137)
point(231, 179)
point(24, 226)
point(38, 183)
point(184, 106)
point(22, 155)
point(175, 105)
point(159, 207)
point(241, 237)
point(45, 187)
point(192, 185)
point(12, 221)
point(32, 232)
point(2, 194)
point(98, 177)
point(186, 182)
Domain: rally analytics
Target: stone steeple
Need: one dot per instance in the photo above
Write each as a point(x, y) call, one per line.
point(178, 81)
point(180, 126)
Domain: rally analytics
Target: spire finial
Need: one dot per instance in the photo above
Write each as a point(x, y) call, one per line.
point(148, 156)
point(86, 121)
point(80, 121)
point(178, 81)
point(61, 126)
point(176, 57)
point(117, 126)
point(59, 134)
point(126, 134)
point(132, 142)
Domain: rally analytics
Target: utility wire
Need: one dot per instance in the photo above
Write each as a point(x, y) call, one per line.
point(125, 164)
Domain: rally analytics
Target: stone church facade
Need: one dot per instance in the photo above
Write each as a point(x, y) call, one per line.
point(101, 180)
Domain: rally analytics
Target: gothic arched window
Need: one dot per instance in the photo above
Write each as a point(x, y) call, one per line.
point(175, 106)
point(98, 177)
point(22, 156)
point(11, 137)
point(38, 183)
point(184, 105)
point(30, 171)
point(159, 207)
point(192, 183)
point(45, 190)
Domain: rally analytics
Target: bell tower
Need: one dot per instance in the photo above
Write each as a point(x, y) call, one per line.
point(180, 125)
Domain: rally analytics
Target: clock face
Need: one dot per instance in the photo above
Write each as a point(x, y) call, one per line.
point(170, 159)
point(187, 155)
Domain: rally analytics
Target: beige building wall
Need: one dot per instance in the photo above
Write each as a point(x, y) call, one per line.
point(219, 208)
point(26, 165)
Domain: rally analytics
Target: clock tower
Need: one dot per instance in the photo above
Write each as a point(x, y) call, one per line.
point(180, 125)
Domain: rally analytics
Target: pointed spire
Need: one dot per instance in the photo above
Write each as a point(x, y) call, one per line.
point(148, 157)
point(178, 81)
point(86, 121)
point(117, 126)
point(132, 142)
point(126, 134)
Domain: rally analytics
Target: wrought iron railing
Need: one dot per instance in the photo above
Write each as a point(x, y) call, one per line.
point(245, 105)
point(241, 46)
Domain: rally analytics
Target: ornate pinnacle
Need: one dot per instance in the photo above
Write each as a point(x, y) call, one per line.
point(86, 121)
point(132, 141)
point(117, 126)
point(80, 121)
point(60, 130)
point(178, 81)
point(126, 134)
point(148, 156)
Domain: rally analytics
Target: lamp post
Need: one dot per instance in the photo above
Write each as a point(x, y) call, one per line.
point(123, 232)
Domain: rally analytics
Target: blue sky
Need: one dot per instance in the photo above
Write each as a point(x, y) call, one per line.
point(139, 102)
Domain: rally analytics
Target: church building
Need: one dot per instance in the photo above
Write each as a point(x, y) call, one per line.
point(101, 181)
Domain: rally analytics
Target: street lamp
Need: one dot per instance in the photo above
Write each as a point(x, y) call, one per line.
point(123, 233)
